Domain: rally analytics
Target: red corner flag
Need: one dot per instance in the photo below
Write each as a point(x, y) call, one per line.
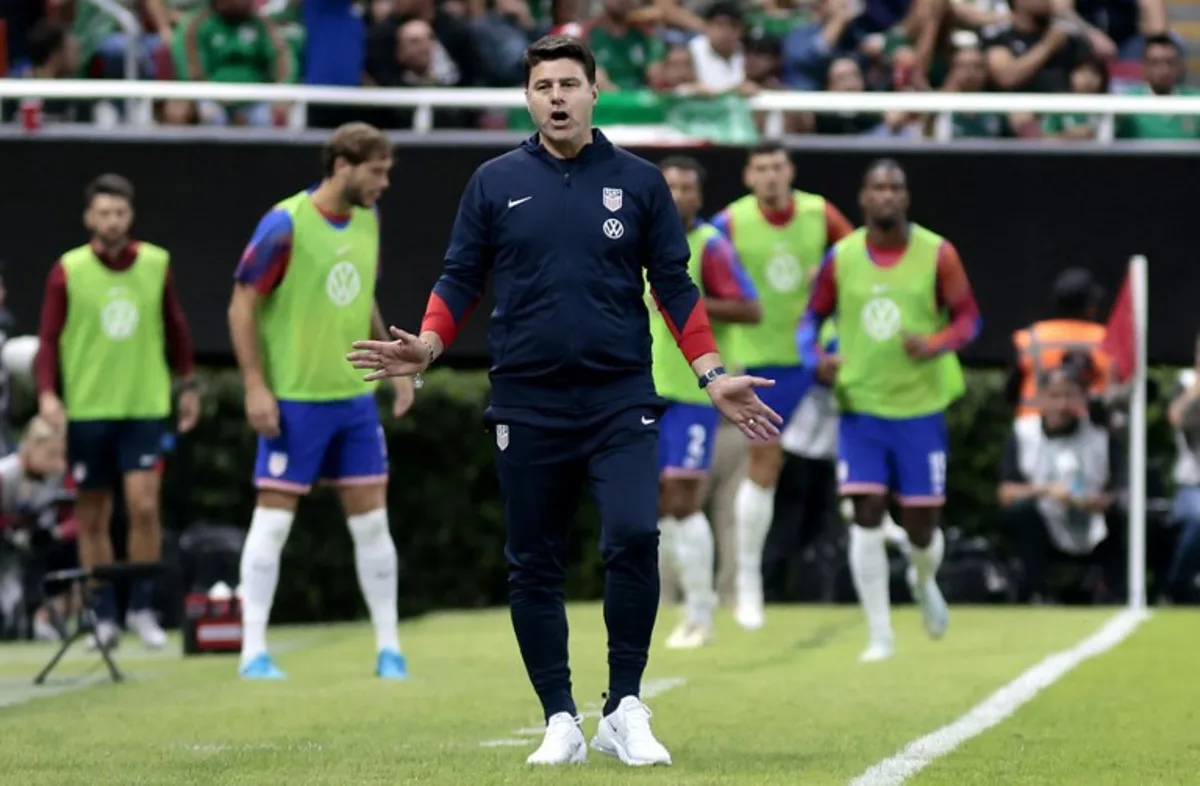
point(1120, 342)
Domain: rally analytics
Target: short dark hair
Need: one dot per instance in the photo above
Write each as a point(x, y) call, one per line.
point(724, 8)
point(1162, 39)
point(886, 164)
point(45, 39)
point(559, 47)
point(354, 143)
point(765, 147)
point(108, 185)
point(686, 163)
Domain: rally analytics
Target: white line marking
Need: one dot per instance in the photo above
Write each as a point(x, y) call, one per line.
point(593, 709)
point(246, 748)
point(919, 754)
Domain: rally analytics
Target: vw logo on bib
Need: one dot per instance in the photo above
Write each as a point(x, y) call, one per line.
point(119, 316)
point(342, 285)
point(783, 272)
point(881, 318)
point(613, 229)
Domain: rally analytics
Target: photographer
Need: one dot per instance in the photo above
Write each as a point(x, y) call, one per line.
point(35, 502)
point(1057, 484)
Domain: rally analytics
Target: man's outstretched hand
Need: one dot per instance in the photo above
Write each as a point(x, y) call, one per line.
point(735, 398)
point(407, 356)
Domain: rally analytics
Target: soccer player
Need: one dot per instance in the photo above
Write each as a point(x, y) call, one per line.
point(566, 224)
point(110, 321)
point(780, 235)
point(304, 290)
point(904, 307)
point(688, 427)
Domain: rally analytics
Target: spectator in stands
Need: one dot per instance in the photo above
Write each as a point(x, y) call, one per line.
point(503, 34)
point(1038, 51)
point(809, 49)
point(717, 55)
point(334, 53)
point(1075, 327)
point(1163, 68)
point(846, 76)
point(103, 45)
point(227, 42)
point(627, 58)
point(419, 59)
point(450, 29)
point(1126, 23)
point(1184, 417)
point(53, 54)
point(1058, 474)
point(968, 74)
point(763, 61)
point(1089, 77)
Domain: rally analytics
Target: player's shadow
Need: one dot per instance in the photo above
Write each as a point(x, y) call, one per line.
point(819, 638)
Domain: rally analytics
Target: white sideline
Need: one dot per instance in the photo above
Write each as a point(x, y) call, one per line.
point(920, 753)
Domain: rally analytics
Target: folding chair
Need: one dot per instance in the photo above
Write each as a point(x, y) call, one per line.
point(93, 579)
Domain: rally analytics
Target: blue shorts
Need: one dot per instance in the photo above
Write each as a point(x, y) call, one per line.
point(339, 442)
point(686, 434)
point(791, 386)
point(101, 452)
point(904, 456)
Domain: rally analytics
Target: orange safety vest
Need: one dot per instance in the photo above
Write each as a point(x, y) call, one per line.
point(1041, 347)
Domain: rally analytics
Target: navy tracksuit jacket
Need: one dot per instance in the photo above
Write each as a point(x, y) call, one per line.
point(573, 406)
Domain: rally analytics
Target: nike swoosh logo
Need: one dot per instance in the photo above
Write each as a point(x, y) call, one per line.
point(343, 250)
point(515, 202)
point(647, 421)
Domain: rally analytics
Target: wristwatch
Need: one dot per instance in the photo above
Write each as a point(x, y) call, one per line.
point(710, 375)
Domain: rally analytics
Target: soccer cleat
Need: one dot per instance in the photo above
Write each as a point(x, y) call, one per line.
point(626, 735)
point(146, 626)
point(391, 665)
point(106, 631)
point(689, 636)
point(563, 743)
point(260, 667)
point(882, 649)
point(933, 606)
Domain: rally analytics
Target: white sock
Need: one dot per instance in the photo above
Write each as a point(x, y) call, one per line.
point(927, 560)
point(869, 569)
point(259, 575)
point(696, 554)
point(378, 575)
point(753, 507)
point(668, 540)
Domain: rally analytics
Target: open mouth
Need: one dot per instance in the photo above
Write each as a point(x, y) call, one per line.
point(559, 118)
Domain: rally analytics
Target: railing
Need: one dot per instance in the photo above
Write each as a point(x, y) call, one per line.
point(773, 103)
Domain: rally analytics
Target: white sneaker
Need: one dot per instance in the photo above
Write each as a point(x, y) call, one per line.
point(106, 631)
point(933, 606)
point(563, 743)
point(626, 735)
point(44, 631)
point(146, 626)
point(690, 636)
point(878, 650)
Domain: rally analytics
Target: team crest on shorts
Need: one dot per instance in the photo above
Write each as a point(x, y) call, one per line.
point(613, 199)
point(277, 464)
point(502, 437)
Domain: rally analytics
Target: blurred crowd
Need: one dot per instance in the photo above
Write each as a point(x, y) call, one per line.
point(660, 60)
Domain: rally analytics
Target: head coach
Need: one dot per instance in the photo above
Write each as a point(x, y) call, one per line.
point(570, 228)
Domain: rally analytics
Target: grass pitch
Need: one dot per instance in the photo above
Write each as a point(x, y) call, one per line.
point(788, 704)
